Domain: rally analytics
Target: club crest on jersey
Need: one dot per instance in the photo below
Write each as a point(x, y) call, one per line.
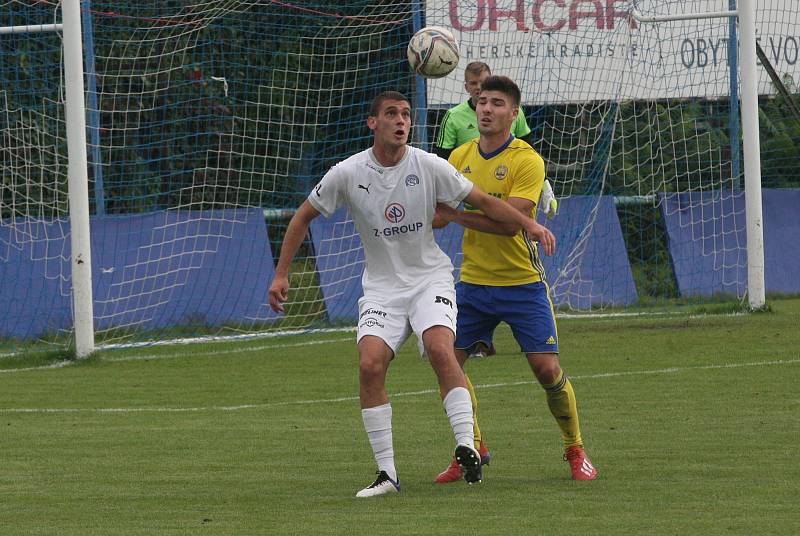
point(395, 213)
point(500, 172)
point(412, 180)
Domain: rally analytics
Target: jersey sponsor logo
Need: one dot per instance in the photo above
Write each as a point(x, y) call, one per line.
point(471, 127)
point(412, 180)
point(395, 213)
point(466, 170)
point(500, 172)
point(398, 229)
point(361, 186)
point(376, 312)
point(370, 323)
point(317, 189)
point(374, 168)
point(442, 299)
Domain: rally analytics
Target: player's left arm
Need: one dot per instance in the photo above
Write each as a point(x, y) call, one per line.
point(505, 213)
point(481, 222)
point(439, 218)
point(507, 218)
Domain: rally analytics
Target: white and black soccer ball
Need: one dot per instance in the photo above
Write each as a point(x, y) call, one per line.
point(433, 52)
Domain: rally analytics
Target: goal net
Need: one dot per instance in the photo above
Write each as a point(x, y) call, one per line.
point(640, 134)
point(209, 122)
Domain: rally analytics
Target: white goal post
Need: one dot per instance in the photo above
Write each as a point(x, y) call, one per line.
point(77, 173)
point(78, 179)
point(746, 13)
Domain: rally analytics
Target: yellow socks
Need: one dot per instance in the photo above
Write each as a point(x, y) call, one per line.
point(472, 397)
point(561, 400)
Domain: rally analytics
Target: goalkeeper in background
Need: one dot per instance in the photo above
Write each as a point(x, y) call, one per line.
point(502, 276)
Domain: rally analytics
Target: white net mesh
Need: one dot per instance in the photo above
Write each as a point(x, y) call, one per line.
point(209, 122)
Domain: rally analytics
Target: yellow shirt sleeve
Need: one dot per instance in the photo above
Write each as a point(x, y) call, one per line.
point(529, 178)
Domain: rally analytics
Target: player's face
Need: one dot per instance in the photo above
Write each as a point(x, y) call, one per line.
point(472, 83)
point(496, 112)
point(392, 124)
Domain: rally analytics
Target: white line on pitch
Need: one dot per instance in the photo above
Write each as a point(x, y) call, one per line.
point(197, 340)
point(227, 338)
point(215, 353)
point(56, 365)
point(671, 370)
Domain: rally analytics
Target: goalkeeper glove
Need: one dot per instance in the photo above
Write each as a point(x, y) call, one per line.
point(548, 201)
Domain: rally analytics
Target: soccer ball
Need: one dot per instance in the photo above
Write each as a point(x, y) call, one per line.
point(433, 52)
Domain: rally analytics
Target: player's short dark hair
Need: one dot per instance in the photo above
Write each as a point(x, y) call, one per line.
point(504, 85)
point(378, 101)
point(475, 68)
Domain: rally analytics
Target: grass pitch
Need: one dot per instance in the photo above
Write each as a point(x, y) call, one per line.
point(691, 421)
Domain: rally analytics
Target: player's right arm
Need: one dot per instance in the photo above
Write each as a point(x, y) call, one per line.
point(446, 139)
point(324, 199)
point(295, 234)
point(520, 128)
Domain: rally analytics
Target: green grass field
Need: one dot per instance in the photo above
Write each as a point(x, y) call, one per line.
point(692, 423)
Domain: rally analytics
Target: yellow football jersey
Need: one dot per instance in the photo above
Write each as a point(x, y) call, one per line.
point(514, 170)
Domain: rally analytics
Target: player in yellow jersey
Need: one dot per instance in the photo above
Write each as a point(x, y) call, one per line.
point(460, 125)
point(502, 277)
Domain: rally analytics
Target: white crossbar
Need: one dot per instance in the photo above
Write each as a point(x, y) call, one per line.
point(34, 28)
point(636, 14)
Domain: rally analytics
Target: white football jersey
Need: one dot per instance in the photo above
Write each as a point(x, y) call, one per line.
point(392, 209)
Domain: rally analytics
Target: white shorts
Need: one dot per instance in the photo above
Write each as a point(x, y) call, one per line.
point(433, 305)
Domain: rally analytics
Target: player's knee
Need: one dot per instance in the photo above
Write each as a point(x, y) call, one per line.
point(440, 351)
point(547, 377)
point(371, 370)
point(545, 367)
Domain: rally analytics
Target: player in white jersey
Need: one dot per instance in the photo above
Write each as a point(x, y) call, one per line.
point(391, 191)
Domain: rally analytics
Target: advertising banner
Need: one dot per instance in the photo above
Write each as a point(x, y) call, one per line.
point(562, 51)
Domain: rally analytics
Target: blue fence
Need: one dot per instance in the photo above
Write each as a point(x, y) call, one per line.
point(212, 268)
point(708, 240)
point(205, 268)
point(600, 274)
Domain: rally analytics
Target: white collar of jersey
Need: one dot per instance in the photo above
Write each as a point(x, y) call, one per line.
point(371, 154)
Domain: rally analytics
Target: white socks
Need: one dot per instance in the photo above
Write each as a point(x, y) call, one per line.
point(458, 406)
point(378, 424)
